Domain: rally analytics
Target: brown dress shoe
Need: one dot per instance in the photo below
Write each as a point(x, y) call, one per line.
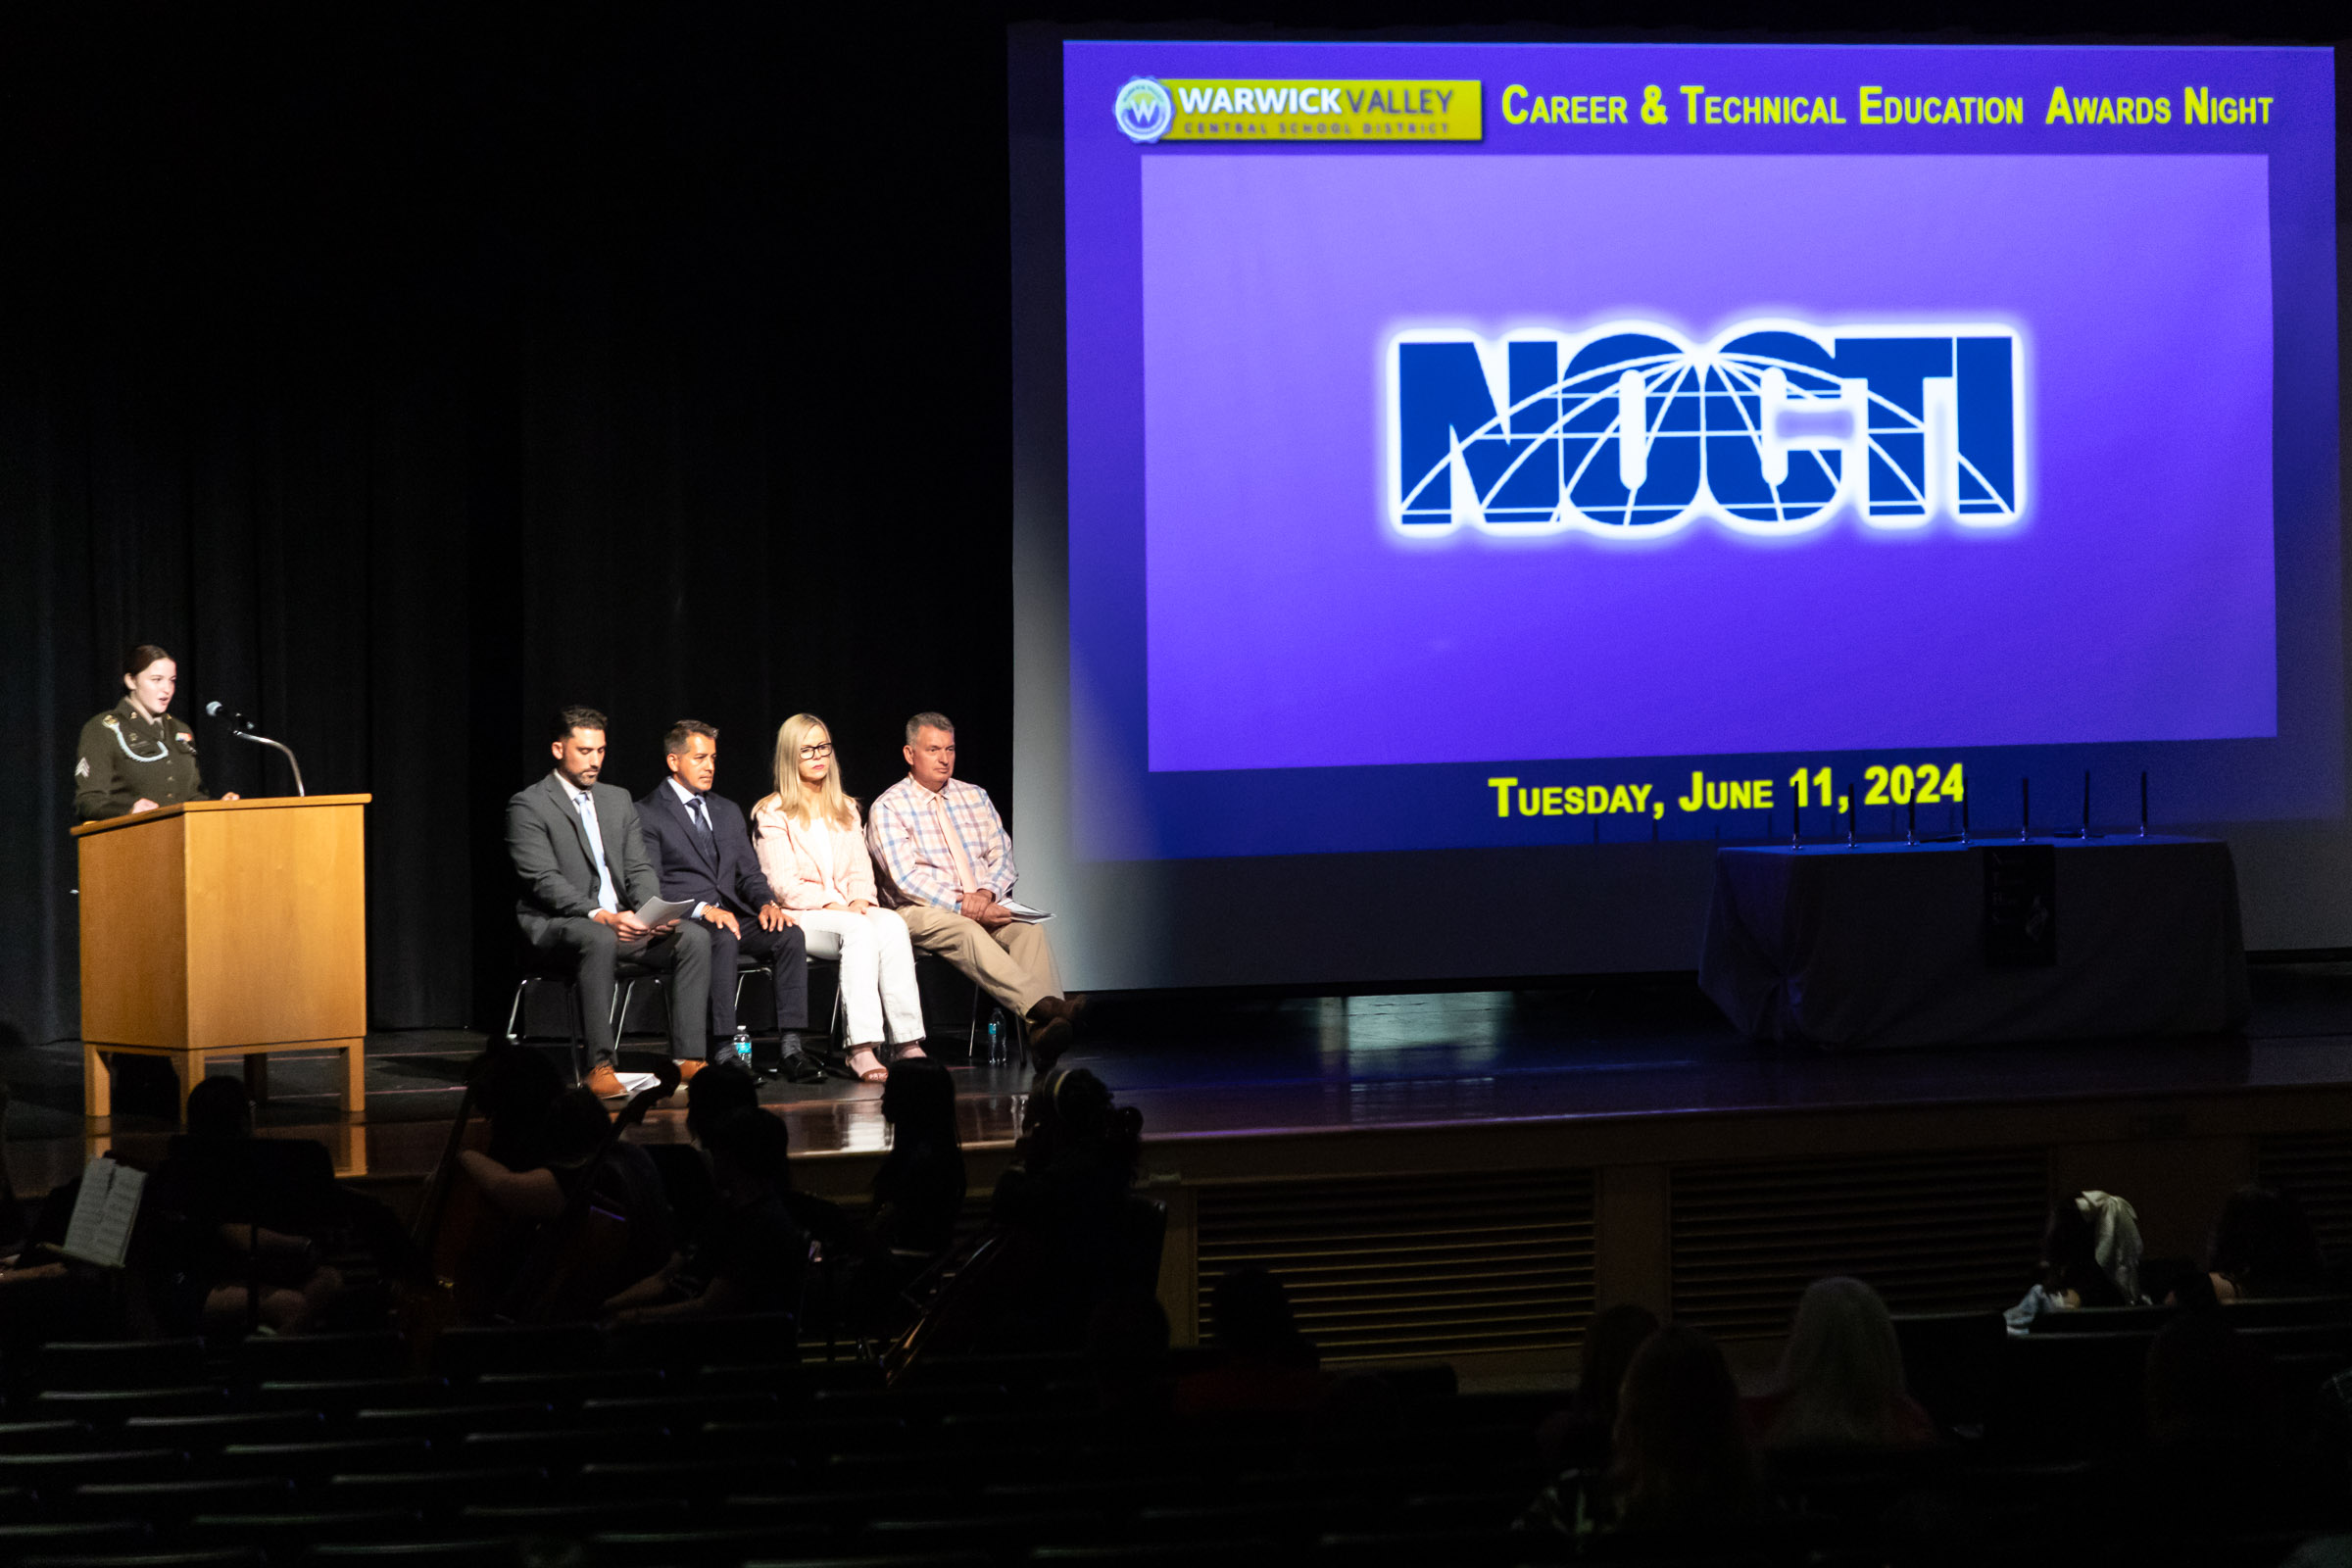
point(688, 1067)
point(603, 1082)
point(1049, 1031)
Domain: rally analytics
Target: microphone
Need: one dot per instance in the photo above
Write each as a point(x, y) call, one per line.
point(242, 727)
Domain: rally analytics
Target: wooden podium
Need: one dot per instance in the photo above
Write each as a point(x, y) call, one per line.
point(224, 928)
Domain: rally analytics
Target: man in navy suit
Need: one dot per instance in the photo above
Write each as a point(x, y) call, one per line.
point(702, 851)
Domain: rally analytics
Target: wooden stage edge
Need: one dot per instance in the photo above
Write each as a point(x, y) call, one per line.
point(1489, 1239)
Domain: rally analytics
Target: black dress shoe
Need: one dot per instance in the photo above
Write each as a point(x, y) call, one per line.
point(801, 1068)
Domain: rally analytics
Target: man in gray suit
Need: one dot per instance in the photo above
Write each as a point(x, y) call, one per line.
point(575, 845)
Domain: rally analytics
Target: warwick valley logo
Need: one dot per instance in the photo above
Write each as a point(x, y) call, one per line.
point(1629, 430)
point(1322, 109)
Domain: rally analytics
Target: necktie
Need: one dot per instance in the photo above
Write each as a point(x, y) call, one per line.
point(604, 896)
point(701, 820)
point(965, 882)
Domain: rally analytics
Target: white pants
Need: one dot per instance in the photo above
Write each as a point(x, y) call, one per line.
point(877, 972)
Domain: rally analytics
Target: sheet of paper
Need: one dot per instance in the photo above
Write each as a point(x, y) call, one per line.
point(1021, 911)
point(660, 912)
point(104, 1212)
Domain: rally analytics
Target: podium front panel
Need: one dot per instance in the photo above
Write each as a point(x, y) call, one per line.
point(133, 914)
point(277, 926)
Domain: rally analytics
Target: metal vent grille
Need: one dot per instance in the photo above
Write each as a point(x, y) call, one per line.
point(1931, 1232)
point(2314, 1169)
point(1412, 1265)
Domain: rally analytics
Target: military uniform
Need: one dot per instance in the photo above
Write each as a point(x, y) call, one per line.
point(125, 758)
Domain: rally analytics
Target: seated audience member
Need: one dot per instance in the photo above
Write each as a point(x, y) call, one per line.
point(2219, 1459)
point(240, 1221)
point(1577, 1437)
point(1063, 1213)
point(1841, 1382)
point(2262, 1245)
point(580, 855)
point(1127, 1359)
point(1264, 1364)
point(753, 1257)
point(918, 1187)
point(1683, 1456)
point(580, 1169)
point(2091, 1254)
point(702, 851)
point(812, 850)
point(944, 860)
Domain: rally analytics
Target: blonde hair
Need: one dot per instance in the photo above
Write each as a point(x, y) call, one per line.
point(793, 799)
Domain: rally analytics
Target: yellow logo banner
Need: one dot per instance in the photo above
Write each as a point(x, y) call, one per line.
point(1323, 108)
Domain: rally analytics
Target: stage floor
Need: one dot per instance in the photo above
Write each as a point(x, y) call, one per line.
point(1201, 1070)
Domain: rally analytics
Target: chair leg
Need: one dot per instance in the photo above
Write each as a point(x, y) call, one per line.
point(579, 1034)
point(515, 1008)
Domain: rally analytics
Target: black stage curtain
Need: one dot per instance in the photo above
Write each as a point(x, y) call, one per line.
point(409, 373)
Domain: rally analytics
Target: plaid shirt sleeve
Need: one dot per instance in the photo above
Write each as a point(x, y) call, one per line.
point(984, 830)
point(897, 840)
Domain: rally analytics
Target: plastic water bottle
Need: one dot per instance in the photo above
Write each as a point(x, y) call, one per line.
point(996, 1038)
point(743, 1048)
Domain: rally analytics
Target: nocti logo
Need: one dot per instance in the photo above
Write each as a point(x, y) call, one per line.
point(1629, 429)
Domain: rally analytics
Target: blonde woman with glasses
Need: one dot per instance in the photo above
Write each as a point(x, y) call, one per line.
point(813, 848)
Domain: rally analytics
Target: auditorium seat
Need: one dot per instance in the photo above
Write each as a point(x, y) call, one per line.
point(207, 1557)
point(119, 1364)
point(310, 1461)
point(693, 1548)
point(1229, 1553)
point(566, 1387)
point(469, 1352)
point(48, 1473)
point(520, 1520)
point(53, 1436)
point(436, 1492)
point(209, 1434)
point(1950, 1360)
point(2069, 1394)
point(282, 1357)
point(339, 1396)
point(71, 1537)
point(111, 1406)
point(174, 1502)
point(449, 1422)
point(457, 1551)
point(749, 1338)
point(282, 1536)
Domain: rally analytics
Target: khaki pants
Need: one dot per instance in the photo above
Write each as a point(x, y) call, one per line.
point(1013, 965)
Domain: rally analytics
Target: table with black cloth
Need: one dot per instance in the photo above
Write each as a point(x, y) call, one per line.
point(1885, 945)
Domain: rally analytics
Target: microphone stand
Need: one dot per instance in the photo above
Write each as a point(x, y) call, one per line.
point(263, 740)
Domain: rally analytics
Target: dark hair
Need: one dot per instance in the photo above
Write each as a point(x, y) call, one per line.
point(219, 1108)
point(755, 1142)
point(145, 654)
point(1073, 1116)
point(2069, 1258)
point(1610, 1340)
point(919, 1100)
point(718, 1092)
point(2264, 1244)
point(929, 720)
point(675, 742)
point(578, 1125)
point(1250, 1315)
point(1682, 1458)
point(569, 719)
point(514, 1087)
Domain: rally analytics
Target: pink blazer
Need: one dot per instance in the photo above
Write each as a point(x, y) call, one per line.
point(804, 872)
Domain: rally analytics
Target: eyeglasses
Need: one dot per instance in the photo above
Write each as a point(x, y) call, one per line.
point(809, 754)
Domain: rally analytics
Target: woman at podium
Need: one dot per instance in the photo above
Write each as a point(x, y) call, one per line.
point(135, 756)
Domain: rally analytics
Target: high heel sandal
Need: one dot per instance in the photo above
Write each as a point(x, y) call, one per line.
point(911, 1051)
point(875, 1074)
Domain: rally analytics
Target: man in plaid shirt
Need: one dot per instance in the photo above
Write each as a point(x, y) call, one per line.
point(942, 860)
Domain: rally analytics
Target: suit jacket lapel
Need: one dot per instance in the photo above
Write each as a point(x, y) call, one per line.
point(706, 845)
point(568, 809)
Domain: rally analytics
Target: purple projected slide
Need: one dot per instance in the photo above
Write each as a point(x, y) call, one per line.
point(2075, 545)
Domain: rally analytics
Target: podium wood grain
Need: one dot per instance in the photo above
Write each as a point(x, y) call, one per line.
point(224, 928)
